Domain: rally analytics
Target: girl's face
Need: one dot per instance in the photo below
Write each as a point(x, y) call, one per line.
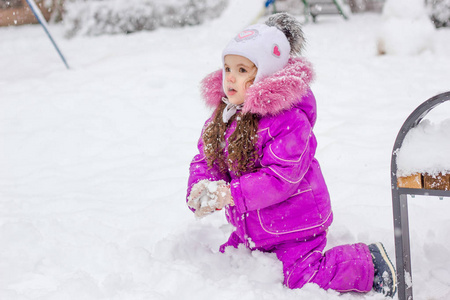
point(239, 75)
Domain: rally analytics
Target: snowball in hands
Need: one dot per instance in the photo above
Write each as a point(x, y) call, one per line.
point(207, 196)
point(198, 191)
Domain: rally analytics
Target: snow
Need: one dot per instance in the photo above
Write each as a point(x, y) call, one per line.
point(94, 161)
point(425, 149)
point(204, 197)
point(406, 28)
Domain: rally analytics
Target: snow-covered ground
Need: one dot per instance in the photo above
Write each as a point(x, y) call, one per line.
point(94, 161)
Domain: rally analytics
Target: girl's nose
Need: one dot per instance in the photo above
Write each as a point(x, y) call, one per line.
point(231, 78)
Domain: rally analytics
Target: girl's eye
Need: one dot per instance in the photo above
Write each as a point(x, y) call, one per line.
point(242, 70)
point(227, 69)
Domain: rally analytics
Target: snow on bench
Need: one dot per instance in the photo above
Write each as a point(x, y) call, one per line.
point(423, 161)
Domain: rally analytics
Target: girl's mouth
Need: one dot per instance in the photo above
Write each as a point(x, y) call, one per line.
point(231, 91)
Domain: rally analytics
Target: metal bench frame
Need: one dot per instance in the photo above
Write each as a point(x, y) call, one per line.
point(400, 199)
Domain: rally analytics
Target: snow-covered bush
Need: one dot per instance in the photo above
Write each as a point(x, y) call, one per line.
point(439, 11)
point(98, 17)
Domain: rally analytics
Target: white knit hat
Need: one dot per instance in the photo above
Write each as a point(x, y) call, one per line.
point(266, 46)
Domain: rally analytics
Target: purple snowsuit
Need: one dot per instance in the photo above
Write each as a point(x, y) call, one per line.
point(282, 205)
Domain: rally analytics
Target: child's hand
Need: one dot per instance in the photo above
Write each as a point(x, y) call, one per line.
point(223, 195)
point(207, 196)
point(198, 191)
point(206, 208)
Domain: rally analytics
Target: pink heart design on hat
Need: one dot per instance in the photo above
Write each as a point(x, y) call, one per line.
point(246, 33)
point(276, 51)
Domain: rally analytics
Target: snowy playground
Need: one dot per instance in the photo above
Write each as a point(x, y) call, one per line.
point(94, 160)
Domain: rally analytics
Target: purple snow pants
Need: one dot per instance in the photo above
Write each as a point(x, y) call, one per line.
point(346, 268)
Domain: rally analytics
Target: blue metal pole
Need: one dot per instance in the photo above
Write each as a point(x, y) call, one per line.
point(38, 14)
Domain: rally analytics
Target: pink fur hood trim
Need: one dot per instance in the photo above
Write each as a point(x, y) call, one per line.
point(271, 95)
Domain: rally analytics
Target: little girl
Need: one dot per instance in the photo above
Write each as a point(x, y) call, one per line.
point(256, 160)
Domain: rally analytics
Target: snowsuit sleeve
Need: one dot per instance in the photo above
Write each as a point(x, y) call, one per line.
point(286, 157)
point(199, 169)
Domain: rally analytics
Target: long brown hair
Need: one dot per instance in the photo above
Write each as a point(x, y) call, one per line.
point(242, 150)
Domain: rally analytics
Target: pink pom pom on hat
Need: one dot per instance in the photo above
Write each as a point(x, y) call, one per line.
point(266, 46)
